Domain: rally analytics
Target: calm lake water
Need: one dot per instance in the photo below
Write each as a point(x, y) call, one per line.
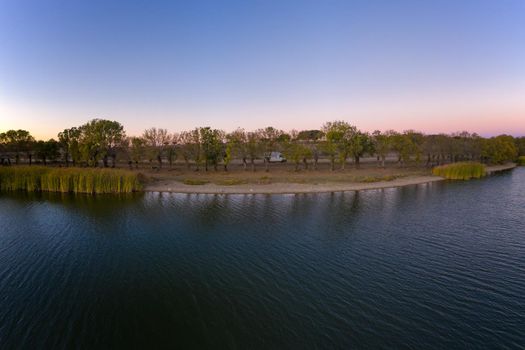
point(439, 266)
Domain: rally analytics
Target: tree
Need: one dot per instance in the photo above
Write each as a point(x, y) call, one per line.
point(237, 143)
point(69, 143)
point(310, 135)
point(137, 150)
point(520, 145)
point(340, 140)
point(253, 147)
point(268, 138)
point(47, 150)
point(211, 140)
point(190, 144)
point(381, 143)
point(156, 140)
point(499, 149)
point(99, 139)
point(297, 153)
point(18, 142)
point(170, 147)
point(360, 144)
point(406, 145)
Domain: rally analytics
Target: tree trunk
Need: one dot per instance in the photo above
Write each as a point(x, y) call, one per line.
point(305, 162)
point(383, 161)
point(30, 159)
point(244, 163)
point(357, 162)
point(105, 161)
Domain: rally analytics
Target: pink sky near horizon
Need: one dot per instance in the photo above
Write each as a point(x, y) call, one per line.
point(483, 112)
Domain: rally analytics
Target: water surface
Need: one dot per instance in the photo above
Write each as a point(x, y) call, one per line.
point(440, 265)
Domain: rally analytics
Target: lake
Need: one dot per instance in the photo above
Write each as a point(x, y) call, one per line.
point(438, 265)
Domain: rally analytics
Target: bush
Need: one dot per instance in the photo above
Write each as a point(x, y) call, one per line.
point(460, 171)
point(68, 180)
point(195, 182)
point(521, 160)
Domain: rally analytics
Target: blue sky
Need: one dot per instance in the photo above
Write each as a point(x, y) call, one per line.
point(436, 66)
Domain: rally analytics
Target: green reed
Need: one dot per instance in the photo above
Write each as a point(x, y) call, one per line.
point(68, 180)
point(461, 171)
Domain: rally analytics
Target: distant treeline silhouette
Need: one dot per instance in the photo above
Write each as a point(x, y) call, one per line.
point(104, 143)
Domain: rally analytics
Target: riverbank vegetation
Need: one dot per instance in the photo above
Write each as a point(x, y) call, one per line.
point(521, 161)
point(104, 143)
point(68, 180)
point(460, 171)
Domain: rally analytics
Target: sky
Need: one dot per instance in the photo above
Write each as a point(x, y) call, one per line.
point(434, 65)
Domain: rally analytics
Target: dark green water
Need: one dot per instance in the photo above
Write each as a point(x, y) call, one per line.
point(431, 266)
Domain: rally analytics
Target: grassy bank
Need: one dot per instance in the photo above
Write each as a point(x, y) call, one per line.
point(68, 180)
point(460, 171)
point(521, 161)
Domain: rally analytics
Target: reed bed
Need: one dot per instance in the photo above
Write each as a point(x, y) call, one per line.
point(68, 180)
point(461, 171)
point(521, 161)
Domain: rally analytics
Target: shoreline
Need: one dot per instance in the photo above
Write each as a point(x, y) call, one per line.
point(287, 188)
point(299, 188)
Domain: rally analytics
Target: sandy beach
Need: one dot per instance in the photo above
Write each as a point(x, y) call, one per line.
point(286, 188)
point(291, 188)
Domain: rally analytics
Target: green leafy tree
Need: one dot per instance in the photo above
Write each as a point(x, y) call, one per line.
point(47, 150)
point(340, 141)
point(500, 149)
point(298, 152)
point(190, 146)
point(18, 142)
point(237, 146)
point(381, 145)
point(211, 140)
point(268, 138)
point(253, 147)
point(99, 140)
point(69, 143)
point(360, 144)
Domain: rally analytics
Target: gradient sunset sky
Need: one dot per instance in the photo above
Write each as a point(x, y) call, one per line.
point(434, 66)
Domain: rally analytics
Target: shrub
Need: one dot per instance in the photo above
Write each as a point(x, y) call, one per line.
point(195, 182)
point(521, 160)
point(68, 180)
point(460, 171)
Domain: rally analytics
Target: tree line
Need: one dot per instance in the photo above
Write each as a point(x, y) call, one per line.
point(102, 142)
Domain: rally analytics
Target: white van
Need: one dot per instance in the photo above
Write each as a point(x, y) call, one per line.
point(275, 157)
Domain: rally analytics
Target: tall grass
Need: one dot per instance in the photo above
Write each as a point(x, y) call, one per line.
point(460, 171)
point(68, 180)
point(521, 160)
